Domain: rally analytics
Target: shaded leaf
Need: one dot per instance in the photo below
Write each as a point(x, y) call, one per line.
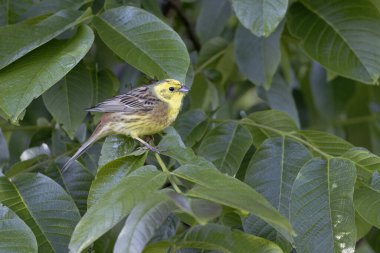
point(225, 146)
point(105, 86)
point(366, 164)
point(321, 208)
point(272, 172)
point(4, 152)
point(210, 52)
point(325, 142)
point(51, 6)
point(123, 197)
point(367, 204)
point(41, 204)
point(223, 239)
point(19, 39)
point(212, 18)
point(76, 180)
point(191, 125)
point(266, 124)
point(15, 235)
point(67, 100)
point(258, 57)
point(32, 75)
point(142, 222)
point(223, 189)
point(279, 97)
point(144, 41)
point(329, 32)
point(261, 17)
point(171, 145)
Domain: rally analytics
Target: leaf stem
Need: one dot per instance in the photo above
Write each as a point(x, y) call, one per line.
point(167, 172)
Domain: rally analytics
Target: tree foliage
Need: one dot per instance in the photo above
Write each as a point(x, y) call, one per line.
point(275, 150)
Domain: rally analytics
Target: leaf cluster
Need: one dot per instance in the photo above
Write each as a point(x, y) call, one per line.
point(275, 150)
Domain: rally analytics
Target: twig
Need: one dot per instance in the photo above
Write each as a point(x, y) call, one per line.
point(167, 172)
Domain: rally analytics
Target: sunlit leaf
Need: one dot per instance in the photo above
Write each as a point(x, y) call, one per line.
point(367, 204)
point(144, 41)
point(19, 39)
point(123, 197)
point(15, 235)
point(142, 222)
point(42, 204)
point(35, 73)
point(111, 174)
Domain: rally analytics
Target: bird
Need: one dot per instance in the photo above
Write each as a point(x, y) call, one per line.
point(140, 112)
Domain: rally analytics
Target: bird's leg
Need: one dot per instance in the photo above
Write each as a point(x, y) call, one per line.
point(146, 144)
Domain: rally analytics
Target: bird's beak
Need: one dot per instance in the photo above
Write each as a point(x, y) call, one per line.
point(184, 89)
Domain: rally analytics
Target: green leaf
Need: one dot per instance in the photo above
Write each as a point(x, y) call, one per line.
point(68, 99)
point(35, 73)
point(171, 145)
point(261, 17)
point(325, 142)
point(329, 30)
point(225, 146)
point(366, 164)
point(111, 174)
point(210, 52)
point(367, 204)
point(15, 235)
point(76, 180)
point(123, 197)
point(19, 39)
point(279, 97)
point(223, 239)
point(144, 41)
point(258, 57)
point(142, 222)
point(4, 152)
point(52, 6)
point(321, 206)
point(212, 18)
point(42, 204)
point(114, 147)
point(268, 124)
point(223, 189)
point(272, 172)
point(106, 85)
point(10, 11)
point(201, 210)
point(191, 125)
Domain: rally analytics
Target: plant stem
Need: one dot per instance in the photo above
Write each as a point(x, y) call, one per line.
point(167, 172)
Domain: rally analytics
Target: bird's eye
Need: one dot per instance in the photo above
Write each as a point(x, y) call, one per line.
point(171, 88)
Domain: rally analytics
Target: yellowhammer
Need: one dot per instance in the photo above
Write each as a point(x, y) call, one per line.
point(143, 111)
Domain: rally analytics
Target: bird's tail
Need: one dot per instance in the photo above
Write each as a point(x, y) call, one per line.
point(80, 151)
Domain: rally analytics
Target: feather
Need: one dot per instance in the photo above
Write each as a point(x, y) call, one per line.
point(140, 99)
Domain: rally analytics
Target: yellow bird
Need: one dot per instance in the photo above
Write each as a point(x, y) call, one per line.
point(142, 111)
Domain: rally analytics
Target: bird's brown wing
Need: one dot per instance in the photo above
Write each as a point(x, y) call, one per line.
point(139, 99)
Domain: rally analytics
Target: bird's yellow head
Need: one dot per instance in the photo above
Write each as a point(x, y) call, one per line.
point(170, 91)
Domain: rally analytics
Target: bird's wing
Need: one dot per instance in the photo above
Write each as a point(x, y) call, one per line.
point(139, 99)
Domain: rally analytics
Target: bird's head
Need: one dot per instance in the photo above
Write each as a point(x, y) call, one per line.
point(170, 91)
